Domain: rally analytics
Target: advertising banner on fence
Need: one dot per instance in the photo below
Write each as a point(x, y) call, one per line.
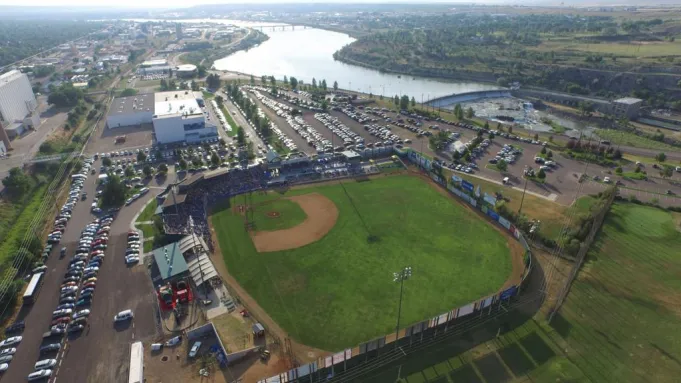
point(477, 192)
point(486, 302)
point(442, 319)
point(515, 231)
point(472, 201)
point(328, 362)
point(456, 179)
point(348, 354)
point(339, 357)
point(490, 199)
point(505, 223)
point(508, 293)
point(492, 214)
point(467, 185)
point(465, 310)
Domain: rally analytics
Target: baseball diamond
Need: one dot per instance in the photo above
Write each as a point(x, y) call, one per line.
point(336, 290)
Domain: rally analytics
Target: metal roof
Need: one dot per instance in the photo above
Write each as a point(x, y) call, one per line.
point(170, 260)
point(201, 269)
point(628, 100)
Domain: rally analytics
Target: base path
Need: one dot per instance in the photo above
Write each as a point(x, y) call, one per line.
point(321, 217)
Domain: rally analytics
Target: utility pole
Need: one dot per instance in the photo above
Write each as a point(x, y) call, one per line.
point(522, 199)
point(400, 276)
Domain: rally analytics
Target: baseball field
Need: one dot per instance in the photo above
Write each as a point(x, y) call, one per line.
point(319, 259)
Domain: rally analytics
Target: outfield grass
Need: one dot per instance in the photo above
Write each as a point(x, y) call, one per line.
point(339, 291)
point(620, 321)
point(629, 139)
point(290, 215)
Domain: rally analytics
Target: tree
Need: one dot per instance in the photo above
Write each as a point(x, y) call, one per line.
point(129, 171)
point(128, 92)
point(162, 169)
point(413, 101)
point(106, 161)
point(285, 80)
point(510, 130)
point(543, 150)
point(325, 105)
point(396, 100)
point(617, 154)
point(666, 171)
point(404, 102)
point(147, 170)
point(219, 100)
point(113, 194)
point(240, 136)
point(458, 112)
point(183, 164)
point(252, 80)
point(502, 165)
point(17, 183)
point(661, 157)
point(164, 84)
point(491, 135)
point(294, 82)
point(536, 137)
point(486, 126)
point(619, 170)
point(470, 113)
point(194, 86)
point(335, 86)
point(323, 84)
point(141, 156)
point(314, 82)
point(542, 174)
point(549, 155)
point(213, 81)
point(214, 159)
point(637, 169)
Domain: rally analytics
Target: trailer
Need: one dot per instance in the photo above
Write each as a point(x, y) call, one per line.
point(136, 363)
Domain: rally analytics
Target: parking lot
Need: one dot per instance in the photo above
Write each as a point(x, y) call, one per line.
point(99, 351)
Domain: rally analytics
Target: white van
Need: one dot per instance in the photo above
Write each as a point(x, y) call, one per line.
point(123, 315)
point(505, 180)
point(42, 374)
point(45, 363)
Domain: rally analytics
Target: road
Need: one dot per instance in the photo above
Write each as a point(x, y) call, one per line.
point(240, 120)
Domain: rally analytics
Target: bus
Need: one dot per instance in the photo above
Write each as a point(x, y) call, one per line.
point(136, 363)
point(33, 288)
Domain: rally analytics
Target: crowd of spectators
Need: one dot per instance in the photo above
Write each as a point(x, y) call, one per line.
point(207, 194)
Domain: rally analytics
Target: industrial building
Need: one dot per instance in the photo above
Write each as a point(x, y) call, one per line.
point(627, 107)
point(176, 116)
point(131, 110)
point(150, 67)
point(17, 103)
point(186, 70)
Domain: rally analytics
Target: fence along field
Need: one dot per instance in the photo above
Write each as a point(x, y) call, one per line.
point(338, 292)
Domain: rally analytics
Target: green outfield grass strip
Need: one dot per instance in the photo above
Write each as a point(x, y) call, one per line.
point(338, 292)
point(620, 319)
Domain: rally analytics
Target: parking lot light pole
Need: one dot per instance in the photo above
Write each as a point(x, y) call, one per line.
point(400, 276)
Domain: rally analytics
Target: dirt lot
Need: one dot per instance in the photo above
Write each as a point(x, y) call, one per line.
point(173, 365)
point(104, 139)
point(321, 217)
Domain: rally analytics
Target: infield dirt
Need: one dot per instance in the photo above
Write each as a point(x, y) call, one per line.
point(321, 217)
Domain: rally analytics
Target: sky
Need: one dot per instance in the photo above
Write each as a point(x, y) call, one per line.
point(189, 3)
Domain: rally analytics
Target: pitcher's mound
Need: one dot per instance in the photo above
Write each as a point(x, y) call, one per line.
point(321, 217)
point(273, 214)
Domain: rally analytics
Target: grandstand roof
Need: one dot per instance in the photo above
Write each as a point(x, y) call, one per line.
point(201, 269)
point(173, 199)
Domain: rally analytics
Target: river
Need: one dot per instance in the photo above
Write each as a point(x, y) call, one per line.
point(308, 53)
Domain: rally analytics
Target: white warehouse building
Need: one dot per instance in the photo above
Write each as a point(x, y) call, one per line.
point(16, 96)
point(176, 116)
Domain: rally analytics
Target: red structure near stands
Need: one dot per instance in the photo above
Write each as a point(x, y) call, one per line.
point(170, 295)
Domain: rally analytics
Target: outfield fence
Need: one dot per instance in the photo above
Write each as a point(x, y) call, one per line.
point(340, 365)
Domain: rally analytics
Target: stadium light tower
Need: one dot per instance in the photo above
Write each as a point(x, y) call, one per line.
point(400, 277)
